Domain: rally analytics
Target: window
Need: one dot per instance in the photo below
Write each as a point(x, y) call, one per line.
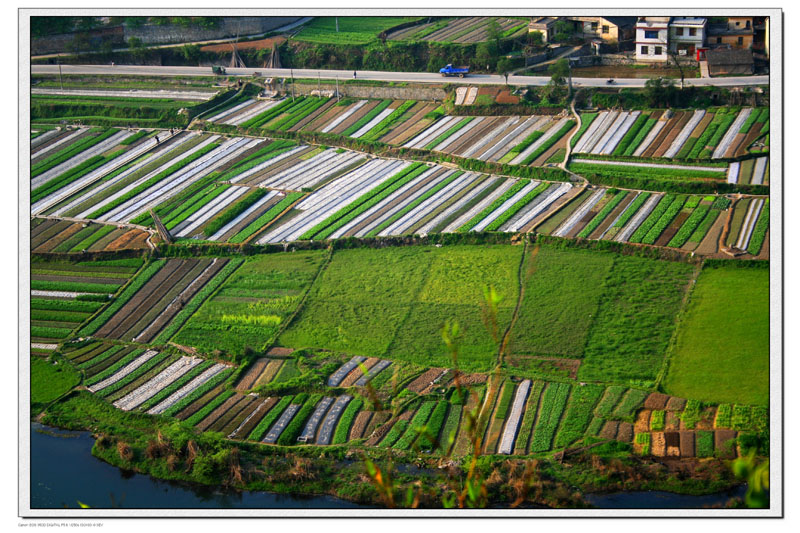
point(719, 40)
point(594, 26)
point(650, 34)
point(605, 29)
point(644, 50)
point(740, 40)
point(737, 23)
point(692, 31)
point(747, 24)
point(679, 31)
point(658, 50)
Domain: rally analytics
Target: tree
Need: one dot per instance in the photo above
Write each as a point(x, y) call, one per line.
point(486, 54)
point(494, 33)
point(191, 52)
point(556, 88)
point(137, 48)
point(659, 92)
point(564, 31)
point(504, 67)
point(535, 38)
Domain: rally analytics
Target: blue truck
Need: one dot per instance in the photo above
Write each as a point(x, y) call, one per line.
point(450, 70)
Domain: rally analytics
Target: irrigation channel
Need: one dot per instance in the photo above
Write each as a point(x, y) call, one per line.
point(63, 471)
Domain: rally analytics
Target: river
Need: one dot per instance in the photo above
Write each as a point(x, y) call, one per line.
point(64, 472)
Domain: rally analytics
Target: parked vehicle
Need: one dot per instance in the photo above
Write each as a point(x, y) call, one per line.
point(216, 69)
point(610, 81)
point(450, 70)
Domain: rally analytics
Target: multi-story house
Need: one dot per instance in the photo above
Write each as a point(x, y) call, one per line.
point(609, 29)
point(652, 39)
point(737, 32)
point(686, 35)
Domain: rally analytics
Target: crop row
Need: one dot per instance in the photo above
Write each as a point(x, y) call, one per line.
point(72, 150)
point(511, 211)
point(64, 305)
point(415, 427)
point(72, 175)
point(654, 217)
point(430, 192)
point(601, 216)
point(206, 410)
point(578, 414)
point(704, 444)
point(691, 413)
point(364, 202)
point(123, 298)
point(154, 180)
point(384, 125)
point(113, 369)
point(267, 217)
point(643, 440)
point(657, 420)
point(626, 144)
point(189, 309)
point(263, 426)
point(342, 432)
point(429, 438)
point(632, 400)
point(72, 286)
point(553, 402)
point(664, 221)
point(493, 206)
point(152, 363)
point(233, 211)
point(760, 231)
point(688, 228)
point(366, 118)
point(586, 121)
point(295, 427)
point(549, 142)
point(395, 433)
point(724, 416)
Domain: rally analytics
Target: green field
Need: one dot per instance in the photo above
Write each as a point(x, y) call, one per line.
point(352, 30)
point(394, 302)
point(722, 348)
point(561, 294)
point(250, 307)
point(635, 320)
point(50, 381)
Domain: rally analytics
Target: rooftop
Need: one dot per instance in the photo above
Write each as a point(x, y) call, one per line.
point(688, 21)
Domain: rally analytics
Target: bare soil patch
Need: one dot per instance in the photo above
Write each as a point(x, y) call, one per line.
point(687, 443)
point(656, 401)
point(359, 425)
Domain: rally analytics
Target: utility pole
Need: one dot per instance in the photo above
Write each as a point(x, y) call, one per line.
point(60, 81)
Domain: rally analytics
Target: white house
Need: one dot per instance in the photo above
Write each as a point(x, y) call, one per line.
point(652, 39)
point(686, 35)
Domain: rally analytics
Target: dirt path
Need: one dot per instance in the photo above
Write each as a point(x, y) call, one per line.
point(501, 354)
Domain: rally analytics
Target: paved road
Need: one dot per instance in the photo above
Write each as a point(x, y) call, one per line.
point(417, 77)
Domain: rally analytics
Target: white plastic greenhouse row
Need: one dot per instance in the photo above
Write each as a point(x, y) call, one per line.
point(187, 389)
point(89, 194)
point(480, 206)
point(247, 212)
point(312, 171)
point(491, 136)
point(344, 116)
point(329, 424)
point(515, 417)
point(536, 207)
point(333, 196)
point(79, 158)
point(508, 141)
point(683, 136)
point(491, 217)
point(71, 188)
point(43, 138)
point(124, 371)
point(410, 186)
point(464, 200)
point(212, 208)
point(731, 133)
point(431, 132)
point(125, 190)
point(228, 112)
point(637, 219)
point(573, 219)
point(269, 162)
point(372, 123)
point(540, 141)
point(419, 212)
point(163, 379)
point(753, 211)
point(174, 184)
point(66, 138)
point(250, 113)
